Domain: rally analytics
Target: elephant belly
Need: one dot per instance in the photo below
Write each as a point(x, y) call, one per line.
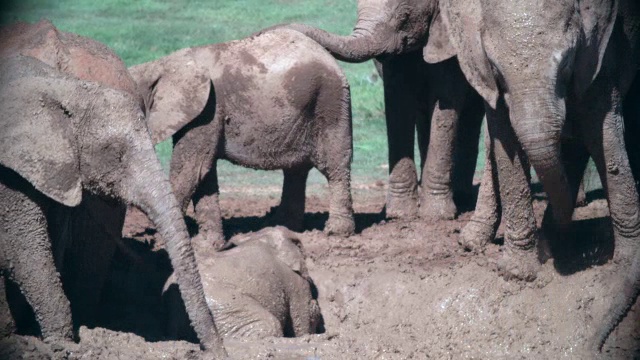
point(267, 146)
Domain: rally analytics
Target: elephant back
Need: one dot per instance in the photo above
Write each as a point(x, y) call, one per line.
point(70, 53)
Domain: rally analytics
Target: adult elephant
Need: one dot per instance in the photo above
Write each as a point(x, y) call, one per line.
point(432, 97)
point(85, 226)
point(547, 70)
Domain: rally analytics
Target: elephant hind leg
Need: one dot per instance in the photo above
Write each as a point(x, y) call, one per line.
point(290, 212)
point(333, 158)
point(436, 201)
point(483, 225)
point(194, 177)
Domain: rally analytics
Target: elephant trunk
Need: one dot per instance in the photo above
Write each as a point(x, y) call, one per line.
point(621, 304)
point(537, 119)
point(151, 191)
point(367, 40)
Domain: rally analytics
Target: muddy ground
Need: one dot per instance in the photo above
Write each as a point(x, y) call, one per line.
point(396, 290)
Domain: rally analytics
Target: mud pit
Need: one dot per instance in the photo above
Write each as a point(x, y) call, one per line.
point(396, 290)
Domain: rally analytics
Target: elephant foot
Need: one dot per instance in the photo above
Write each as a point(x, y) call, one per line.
point(476, 235)
point(436, 207)
point(518, 264)
point(340, 225)
point(401, 206)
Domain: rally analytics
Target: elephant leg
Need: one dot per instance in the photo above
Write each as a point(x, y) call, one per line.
point(193, 177)
point(605, 140)
point(466, 151)
point(436, 201)
point(206, 204)
point(341, 220)
point(7, 325)
point(483, 225)
point(28, 246)
point(290, 212)
point(607, 147)
point(402, 103)
point(519, 257)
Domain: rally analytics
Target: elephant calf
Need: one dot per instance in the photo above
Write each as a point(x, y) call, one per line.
point(280, 102)
point(271, 296)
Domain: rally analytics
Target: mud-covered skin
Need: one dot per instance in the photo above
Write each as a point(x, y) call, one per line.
point(270, 297)
point(58, 150)
point(278, 101)
point(434, 99)
point(544, 70)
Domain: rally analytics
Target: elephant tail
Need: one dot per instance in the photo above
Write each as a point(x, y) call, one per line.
point(621, 304)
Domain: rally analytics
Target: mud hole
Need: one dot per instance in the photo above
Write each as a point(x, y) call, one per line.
point(396, 290)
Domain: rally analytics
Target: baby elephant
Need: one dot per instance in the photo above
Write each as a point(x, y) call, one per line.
point(271, 296)
point(280, 102)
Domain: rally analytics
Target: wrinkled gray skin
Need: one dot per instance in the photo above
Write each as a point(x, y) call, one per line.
point(398, 34)
point(65, 175)
point(271, 296)
point(549, 70)
point(280, 102)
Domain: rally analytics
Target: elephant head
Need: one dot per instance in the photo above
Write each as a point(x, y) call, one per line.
point(183, 85)
point(386, 27)
point(68, 136)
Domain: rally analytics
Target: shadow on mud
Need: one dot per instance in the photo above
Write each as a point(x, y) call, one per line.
point(312, 221)
point(591, 243)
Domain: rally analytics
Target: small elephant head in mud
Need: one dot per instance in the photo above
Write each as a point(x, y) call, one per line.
point(258, 288)
point(277, 100)
point(64, 140)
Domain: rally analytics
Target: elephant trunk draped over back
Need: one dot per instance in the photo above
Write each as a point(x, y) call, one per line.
point(434, 97)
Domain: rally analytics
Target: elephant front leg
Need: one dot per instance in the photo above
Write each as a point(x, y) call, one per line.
point(28, 248)
point(401, 109)
point(519, 257)
point(206, 204)
point(436, 202)
point(482, 227)
point(605, 137)
point(290, 212)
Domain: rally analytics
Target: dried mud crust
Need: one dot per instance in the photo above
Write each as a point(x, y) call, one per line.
point(395, 290)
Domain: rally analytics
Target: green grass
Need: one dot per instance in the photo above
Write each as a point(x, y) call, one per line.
point(144, 30)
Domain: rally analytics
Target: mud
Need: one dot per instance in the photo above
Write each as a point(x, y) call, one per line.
point(395, 290)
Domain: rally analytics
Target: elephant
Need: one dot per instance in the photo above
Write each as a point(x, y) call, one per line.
point(74, 150)
point(435, 98)
point(273, 101)
point(271, 296)
point(553, 76)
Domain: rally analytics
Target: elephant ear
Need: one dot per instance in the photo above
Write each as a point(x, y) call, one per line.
point(462, 20)
point(439, 47)
point(176, 90)
point(37, 141)
point(598, 18)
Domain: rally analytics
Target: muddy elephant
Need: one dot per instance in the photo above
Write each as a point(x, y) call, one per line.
point(273, 101)
point(273, 295)
point(550, 71)
point(69, 176)
point(435, 98)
